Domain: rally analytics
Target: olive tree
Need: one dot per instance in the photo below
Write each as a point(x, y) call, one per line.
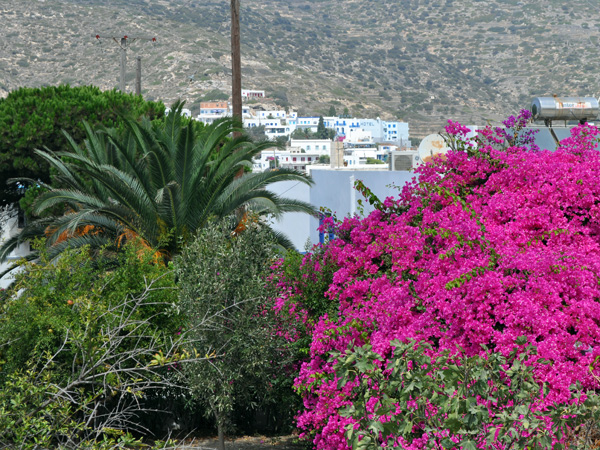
point(221, 278)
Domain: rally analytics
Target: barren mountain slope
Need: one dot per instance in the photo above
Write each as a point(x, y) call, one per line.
point(423, 61)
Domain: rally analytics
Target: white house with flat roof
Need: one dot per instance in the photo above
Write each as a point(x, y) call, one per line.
point(318, 146)
point(344, 126)
point(275, 129)
point(308, 122)
point(272, 114)
point(291, 158)
point(385, 131)
point(276, 122)
point(250, 94)
point(299, 161)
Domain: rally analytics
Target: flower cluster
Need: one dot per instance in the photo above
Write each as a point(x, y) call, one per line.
point(456, 129)
point(487, 247)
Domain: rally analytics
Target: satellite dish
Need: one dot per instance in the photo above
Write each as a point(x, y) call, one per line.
point(432, 146)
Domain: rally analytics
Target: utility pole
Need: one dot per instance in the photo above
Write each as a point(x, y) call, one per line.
point(124, 42)
point(138, 76)
point(236, 63)
point(123, 63)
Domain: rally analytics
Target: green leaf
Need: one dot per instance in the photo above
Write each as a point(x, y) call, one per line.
point(453, 424)
point(468, 445)
point(447, 443)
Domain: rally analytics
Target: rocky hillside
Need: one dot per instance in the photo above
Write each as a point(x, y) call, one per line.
point(422, 61)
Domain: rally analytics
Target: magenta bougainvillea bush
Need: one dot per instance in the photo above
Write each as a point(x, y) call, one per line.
point(499, 242)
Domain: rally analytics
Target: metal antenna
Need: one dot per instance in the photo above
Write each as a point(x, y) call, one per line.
point(124, 42)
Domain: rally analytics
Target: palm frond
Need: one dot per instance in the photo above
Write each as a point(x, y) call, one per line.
point(159, 181)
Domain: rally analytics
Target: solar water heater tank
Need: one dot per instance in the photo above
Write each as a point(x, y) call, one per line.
point(565, 108)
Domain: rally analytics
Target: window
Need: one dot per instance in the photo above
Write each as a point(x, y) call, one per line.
point(302, 159)
point(294, 159)
point(308, 148)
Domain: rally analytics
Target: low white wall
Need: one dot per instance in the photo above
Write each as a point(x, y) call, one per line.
point(8, 228)
point(333, 189)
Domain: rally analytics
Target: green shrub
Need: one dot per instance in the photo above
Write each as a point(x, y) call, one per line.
point(214, 95)
point(82, 341)
point(49, 299)
point(28, 417)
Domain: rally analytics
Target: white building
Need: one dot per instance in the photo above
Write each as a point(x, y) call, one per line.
point(311, 123)
point(318, 146)
point(276, 122)
point(359, 135)
point(334, 190)
point(272, 114)
point(277, 127)
point(386, 131)
point(279, 122)
point(299, 161)
point(250, 94)
point(211, 111)
point(344, 126)
point(291, 158)
point(11, 224)
point(395, 132)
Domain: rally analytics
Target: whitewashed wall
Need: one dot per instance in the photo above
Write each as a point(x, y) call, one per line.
point(333, 189)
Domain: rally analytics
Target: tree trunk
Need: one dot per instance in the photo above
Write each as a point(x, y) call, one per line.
point(221, 433)
point(220, 421)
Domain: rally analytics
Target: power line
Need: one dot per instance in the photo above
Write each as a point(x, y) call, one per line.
point(124, 43)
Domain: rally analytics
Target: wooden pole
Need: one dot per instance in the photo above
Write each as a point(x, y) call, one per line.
point(236, 62)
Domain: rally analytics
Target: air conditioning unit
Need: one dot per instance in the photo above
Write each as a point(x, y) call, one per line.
point(404, 160)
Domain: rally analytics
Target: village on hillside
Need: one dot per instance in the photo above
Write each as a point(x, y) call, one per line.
point(339, 140)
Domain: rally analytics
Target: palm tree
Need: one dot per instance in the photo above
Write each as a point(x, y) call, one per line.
point(156, 182)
